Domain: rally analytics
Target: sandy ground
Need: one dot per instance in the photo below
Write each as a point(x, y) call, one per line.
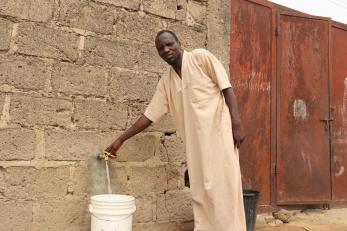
point(309, 220)
point(306, 227)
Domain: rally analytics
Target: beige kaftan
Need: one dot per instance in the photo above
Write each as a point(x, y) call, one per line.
point(199, 111)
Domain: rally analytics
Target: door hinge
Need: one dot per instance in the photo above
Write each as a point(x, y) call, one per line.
point(276, 31)
point(274, 169)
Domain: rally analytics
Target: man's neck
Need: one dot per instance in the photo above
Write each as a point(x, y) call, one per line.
point(178, 65)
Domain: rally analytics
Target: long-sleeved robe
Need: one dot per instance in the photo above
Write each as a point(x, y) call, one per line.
point(201, 115)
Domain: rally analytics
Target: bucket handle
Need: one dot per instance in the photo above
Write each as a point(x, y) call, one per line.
point(91, 208)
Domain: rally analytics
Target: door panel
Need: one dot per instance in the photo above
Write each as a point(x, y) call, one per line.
point(339, 86)
point(251, 63)
point(303, 101)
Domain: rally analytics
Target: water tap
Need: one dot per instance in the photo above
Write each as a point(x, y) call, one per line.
point(104, 155)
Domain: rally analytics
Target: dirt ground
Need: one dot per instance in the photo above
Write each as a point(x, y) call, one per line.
point(305, 227)
point(308, 220)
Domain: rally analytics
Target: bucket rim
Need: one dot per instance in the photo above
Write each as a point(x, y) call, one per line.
point(250, 192)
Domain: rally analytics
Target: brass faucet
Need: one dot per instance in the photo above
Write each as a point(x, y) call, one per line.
point(103, 155)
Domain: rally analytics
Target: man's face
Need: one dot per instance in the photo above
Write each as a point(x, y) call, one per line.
point(168, 48)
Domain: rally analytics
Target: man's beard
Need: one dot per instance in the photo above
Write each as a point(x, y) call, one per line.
point(173, 61)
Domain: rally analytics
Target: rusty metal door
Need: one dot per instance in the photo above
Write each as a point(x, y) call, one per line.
point(252, 73)
point(303, 151)
point(339, 101)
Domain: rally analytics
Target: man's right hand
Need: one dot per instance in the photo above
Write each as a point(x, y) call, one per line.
point(141, 124)
point(113, 148)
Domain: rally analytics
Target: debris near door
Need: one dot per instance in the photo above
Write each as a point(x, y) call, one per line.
point(282, 215)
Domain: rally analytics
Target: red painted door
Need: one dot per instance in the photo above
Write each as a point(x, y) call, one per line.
point(303, 153)
point(252, 73)
point(339, 101)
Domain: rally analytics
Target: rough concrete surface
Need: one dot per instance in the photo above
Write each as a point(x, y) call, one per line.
point(5, 34)
point(24, 73)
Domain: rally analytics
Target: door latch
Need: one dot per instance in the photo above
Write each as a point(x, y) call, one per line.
point(326, 122)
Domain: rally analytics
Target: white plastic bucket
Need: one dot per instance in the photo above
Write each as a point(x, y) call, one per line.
point(112, 212)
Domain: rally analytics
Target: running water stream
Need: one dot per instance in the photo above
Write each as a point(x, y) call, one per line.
point(109, 189)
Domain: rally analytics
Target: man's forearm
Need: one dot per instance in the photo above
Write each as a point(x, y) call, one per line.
point(141, 124)
point(230, 100)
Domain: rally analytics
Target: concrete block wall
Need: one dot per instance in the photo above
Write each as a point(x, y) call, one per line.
point(74, 74)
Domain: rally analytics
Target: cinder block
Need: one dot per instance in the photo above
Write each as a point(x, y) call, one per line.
point(2, 184)
point(133, 4)
point(123, 53)
point(131, 26)
point(29, 110)
point(136, 109)
point(179, 204)
point(218, 23)
point(164, 8)
point(17, 144)
point(162, 153)
point(58, 44)
point(181, 13)
point(175, 176)
point(68, 214)
point(157, 226)
point(86, 15)
point(118, 53)
point(2, 102)
point(16, 215)
point(162, 211)
point(148, 180)
point(35, 10)
point(132, 85)
point(79, 184)
point(149, 60)
point(190, 37)
point(175, 205)
point(175, 149)
point(49, 183)
point(119, 179)
point(139, 148)
point(5, 33)
point(145, 209)
point(78, 145)
point(29, 183)
point(24, 73)
point(73, 79)
point(99, 114)
point(164, 125)
point(198, 11)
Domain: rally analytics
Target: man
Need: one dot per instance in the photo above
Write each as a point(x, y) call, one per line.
point(197, 93)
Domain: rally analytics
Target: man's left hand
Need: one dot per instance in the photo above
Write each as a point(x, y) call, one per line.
point(238, 134)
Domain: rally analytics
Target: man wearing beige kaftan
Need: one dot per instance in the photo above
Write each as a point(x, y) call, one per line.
point(193, 96)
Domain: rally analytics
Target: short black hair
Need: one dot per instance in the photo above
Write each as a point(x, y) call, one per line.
point(166, 31)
